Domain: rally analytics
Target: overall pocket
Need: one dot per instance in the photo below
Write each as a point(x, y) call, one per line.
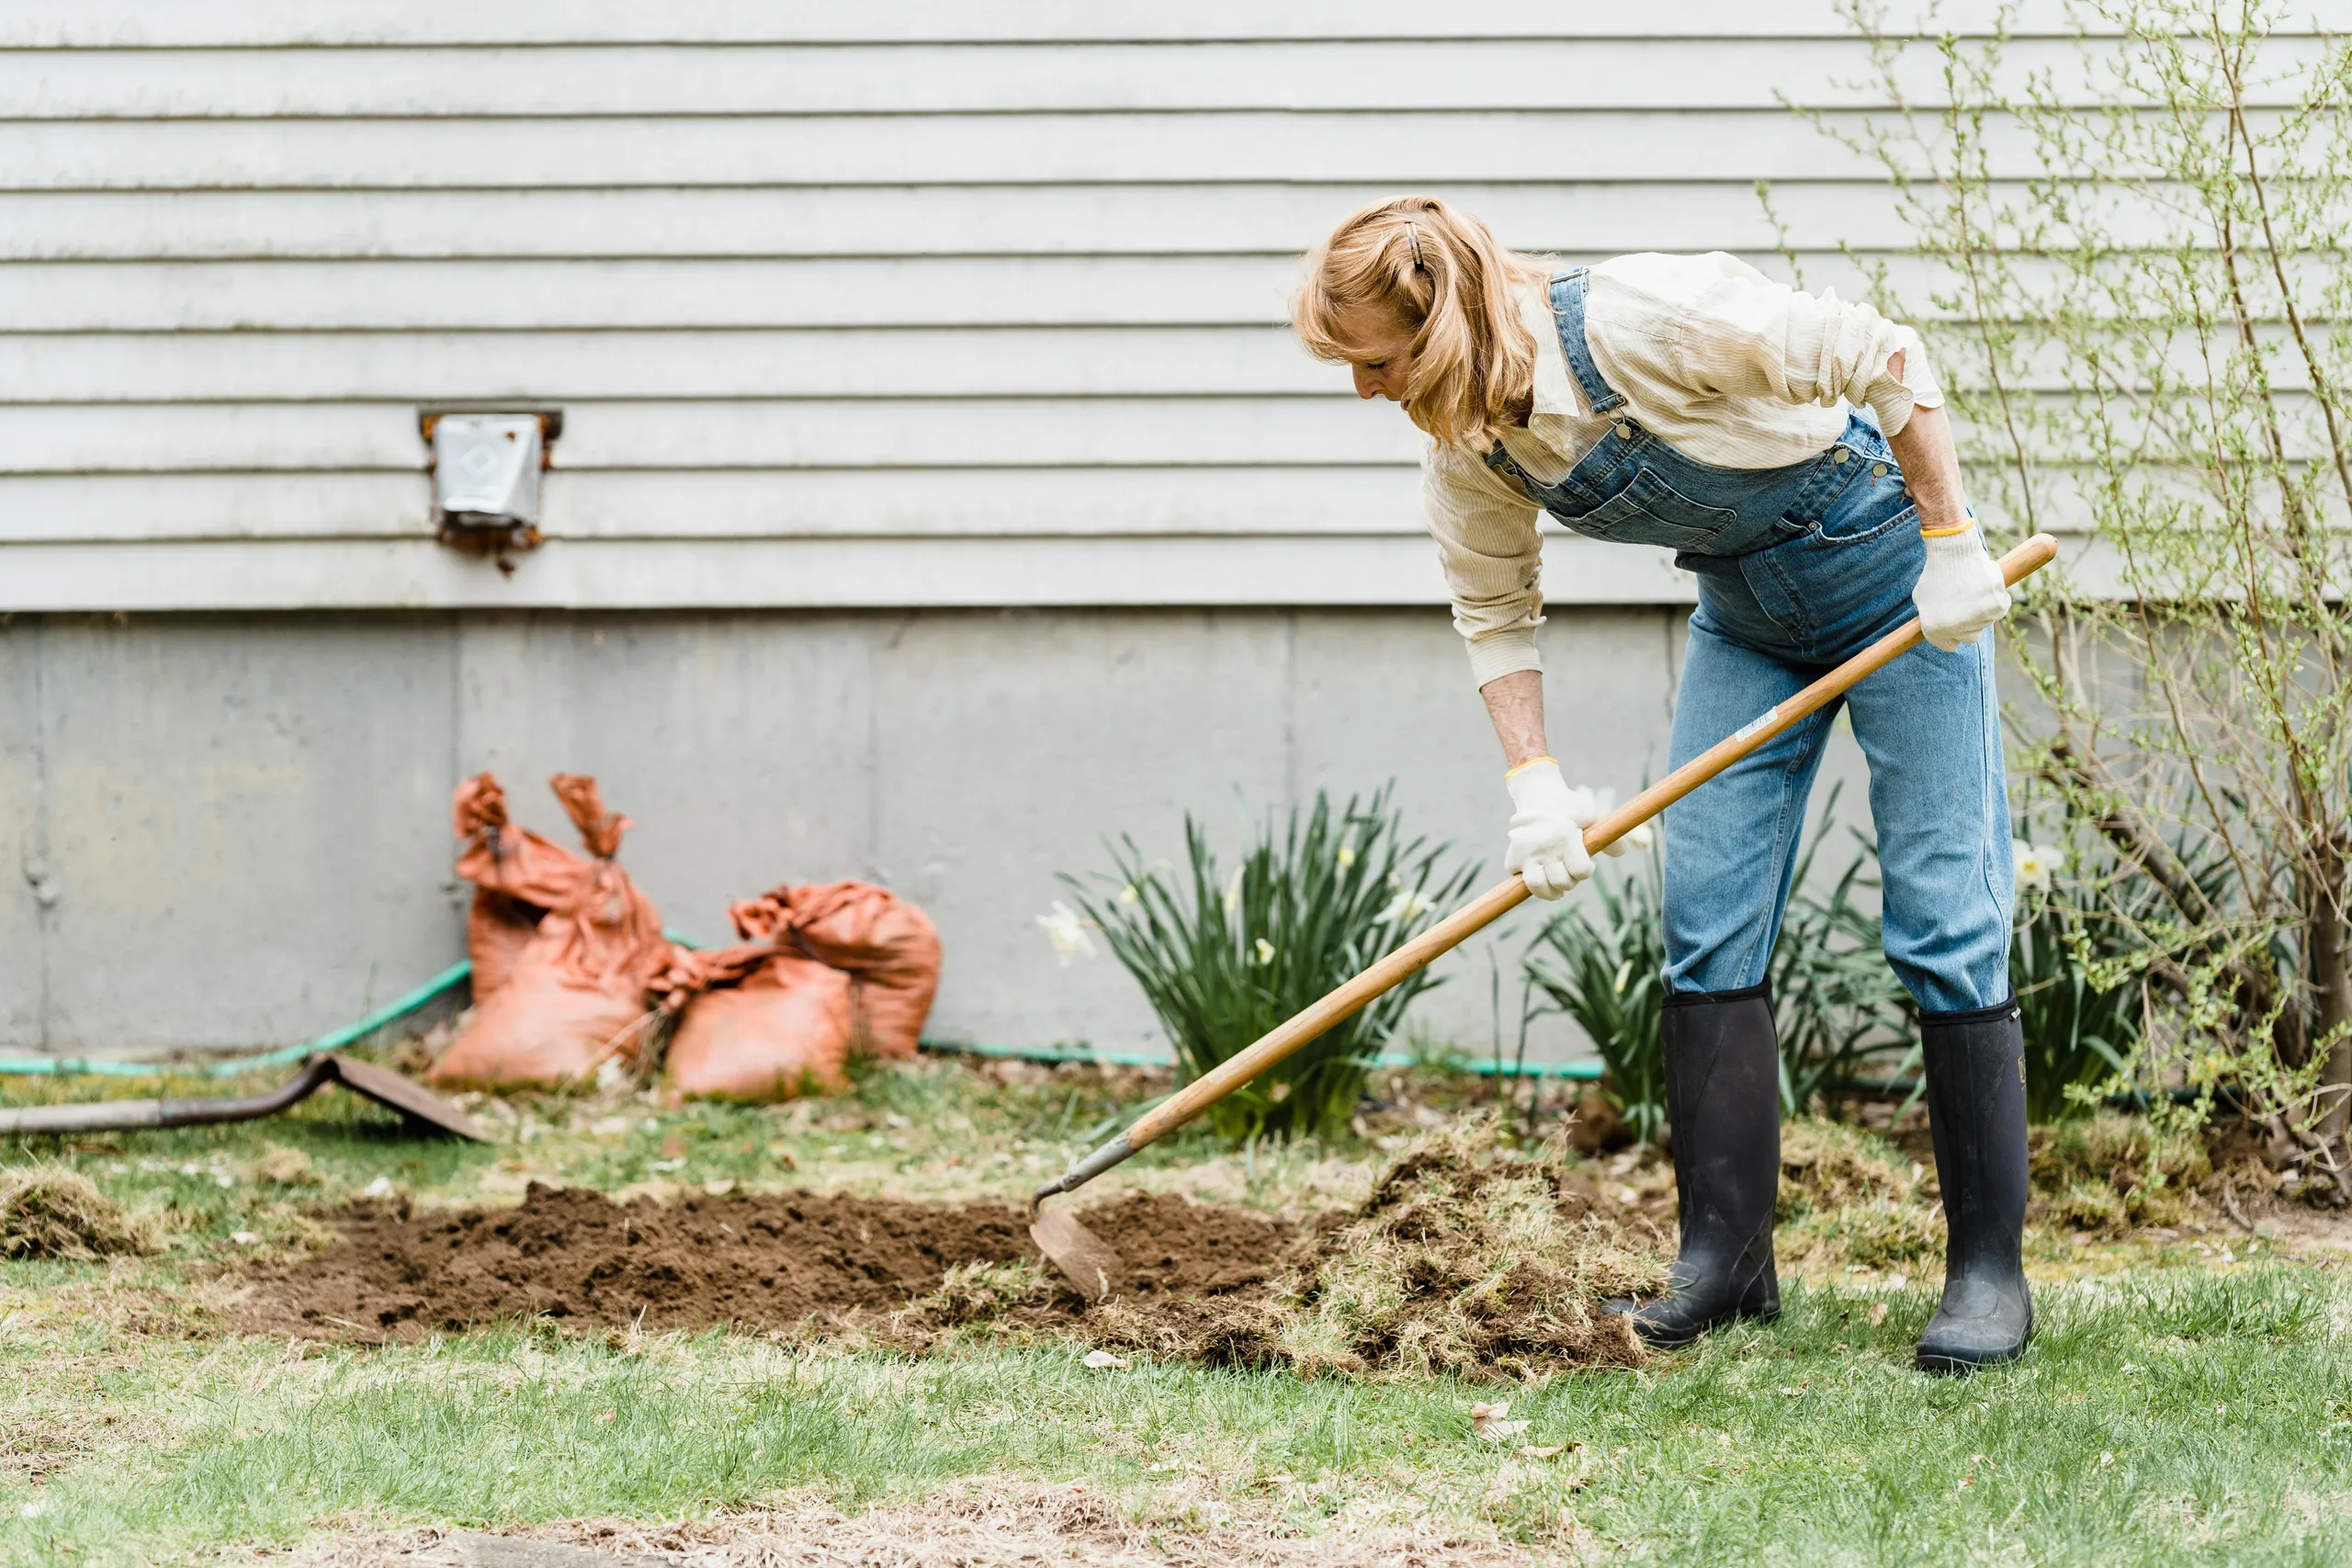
point(1650, 512)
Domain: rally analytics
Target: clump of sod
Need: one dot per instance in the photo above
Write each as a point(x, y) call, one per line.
point(48, 1211)
point(2109, 1172)
point(1470, 1256)
point(1849, 1197)
point(984, 1292)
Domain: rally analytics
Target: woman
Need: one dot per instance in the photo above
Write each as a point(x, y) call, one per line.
point(1689, 402)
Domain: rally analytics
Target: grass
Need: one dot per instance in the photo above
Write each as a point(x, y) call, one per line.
point(2171, 1410)
point(2183, 1417)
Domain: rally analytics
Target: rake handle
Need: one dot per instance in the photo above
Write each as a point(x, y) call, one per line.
point(1506, 896)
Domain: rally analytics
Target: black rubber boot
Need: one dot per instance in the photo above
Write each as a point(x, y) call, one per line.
point(1976, 1065)
point(1723, 1103)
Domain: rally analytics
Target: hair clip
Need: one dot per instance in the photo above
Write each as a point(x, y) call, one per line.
point(1413, 238)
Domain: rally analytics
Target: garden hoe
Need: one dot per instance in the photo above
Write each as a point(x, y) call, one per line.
point(420, 1108)
point(1092, 1265)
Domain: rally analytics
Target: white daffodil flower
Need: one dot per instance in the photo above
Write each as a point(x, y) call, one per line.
point(2035, 863)
point(1347, 856)
point(1265, 951)
point(1067, 932)
point(1407, 907)
point(1133, 892)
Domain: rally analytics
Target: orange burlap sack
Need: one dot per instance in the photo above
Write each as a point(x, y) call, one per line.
point(579, 990)
point(778, 1031)
point(517, 876)
point(887, 946)
point(823, 970)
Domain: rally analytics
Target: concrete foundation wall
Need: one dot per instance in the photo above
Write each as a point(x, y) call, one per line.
point(230, 831)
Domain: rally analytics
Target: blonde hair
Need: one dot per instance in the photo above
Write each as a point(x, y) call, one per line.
point(1438, 273)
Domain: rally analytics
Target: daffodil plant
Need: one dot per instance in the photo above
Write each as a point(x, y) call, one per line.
point(1222, 957)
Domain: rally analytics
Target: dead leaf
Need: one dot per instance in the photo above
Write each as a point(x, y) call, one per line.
point(1878, 1313)
point(720, 1187)
point(1103, 1361)
point(1487, 1421)
point(1531, 1451)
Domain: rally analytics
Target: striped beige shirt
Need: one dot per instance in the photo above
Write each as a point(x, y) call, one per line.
point(1724, 364)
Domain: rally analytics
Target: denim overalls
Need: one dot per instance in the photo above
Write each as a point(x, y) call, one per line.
point(1799, 568)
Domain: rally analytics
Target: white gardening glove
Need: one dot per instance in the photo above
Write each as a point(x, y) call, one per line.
point(1588, 806)
point(1546, 831)
point(1959, 592)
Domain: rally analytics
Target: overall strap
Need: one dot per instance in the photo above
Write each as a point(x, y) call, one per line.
point(1568, 314)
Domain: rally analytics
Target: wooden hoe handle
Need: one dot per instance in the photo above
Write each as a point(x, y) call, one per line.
point(1507, 895)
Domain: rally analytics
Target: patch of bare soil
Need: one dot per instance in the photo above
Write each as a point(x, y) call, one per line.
point(985, 1523)
point(747, 1260)
point(1469, 1256)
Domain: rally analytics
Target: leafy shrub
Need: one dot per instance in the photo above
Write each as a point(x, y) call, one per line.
point(2075, 1033)
point(1225, 959)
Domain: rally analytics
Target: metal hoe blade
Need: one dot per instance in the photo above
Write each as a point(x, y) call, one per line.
point(418, 1106)
point(1086, 1260)
point(412, 1100)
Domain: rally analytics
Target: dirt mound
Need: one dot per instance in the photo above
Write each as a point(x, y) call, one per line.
point(751, 1260)
point(47, 1211)
point(1468, 1258)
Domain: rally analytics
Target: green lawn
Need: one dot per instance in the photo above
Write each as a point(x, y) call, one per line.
point(2168, 1412)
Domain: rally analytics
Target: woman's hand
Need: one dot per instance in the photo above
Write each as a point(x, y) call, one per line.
point(1960, 592)
point(1547, 829)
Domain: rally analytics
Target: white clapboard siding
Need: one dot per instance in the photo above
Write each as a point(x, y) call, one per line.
point(717, 505)
point(1360, 145)
point(153, 24)
point(934, 303)
point(572, 82)
point(569, 366)
point(444, 369)
point(740, 433)
point(1606, 218)
point(538, 295)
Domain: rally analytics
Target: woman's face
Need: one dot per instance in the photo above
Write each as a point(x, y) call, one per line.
point(1381, 356)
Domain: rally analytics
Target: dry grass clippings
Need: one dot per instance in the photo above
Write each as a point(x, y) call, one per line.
point(1469, 1256)
point(2109, 1172)
point(980, 1293)
point(282, 1167)
point(49, 1211)
point(1847, 1196)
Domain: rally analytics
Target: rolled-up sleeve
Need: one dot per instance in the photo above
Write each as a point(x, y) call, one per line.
point(1744, 335)
point(1493, 559)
